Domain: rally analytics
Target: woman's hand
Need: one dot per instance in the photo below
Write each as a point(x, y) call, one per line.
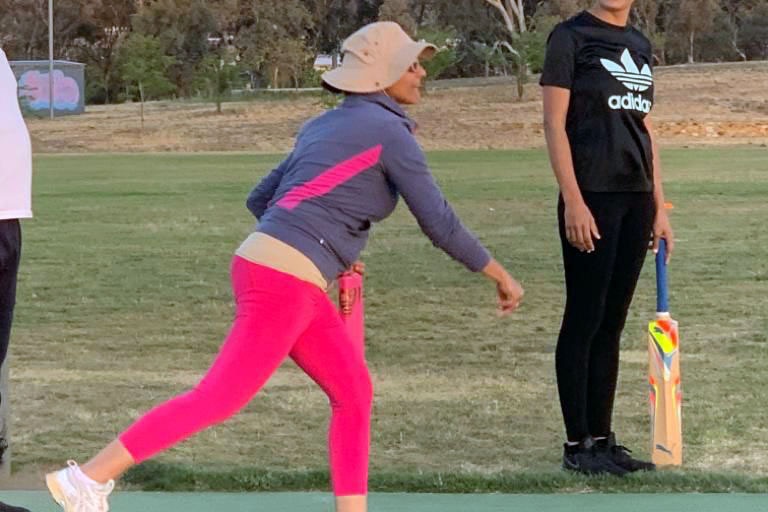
point(663, 229)
point(358, 267)
point(510, 295)
point(508, 289)
point(580, 227)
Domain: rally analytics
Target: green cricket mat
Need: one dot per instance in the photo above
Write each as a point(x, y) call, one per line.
point(37, 501)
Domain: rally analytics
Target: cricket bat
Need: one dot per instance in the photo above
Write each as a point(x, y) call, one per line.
point(666, 393)
point(351, 306)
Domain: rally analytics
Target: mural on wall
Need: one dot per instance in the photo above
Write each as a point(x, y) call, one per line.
point(34, 90)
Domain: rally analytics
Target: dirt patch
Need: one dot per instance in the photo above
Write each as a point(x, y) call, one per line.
point(695, 105)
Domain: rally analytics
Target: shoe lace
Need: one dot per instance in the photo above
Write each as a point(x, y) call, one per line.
point(90, 498)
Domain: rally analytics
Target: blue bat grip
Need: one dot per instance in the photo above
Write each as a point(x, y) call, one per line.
point(662, 293)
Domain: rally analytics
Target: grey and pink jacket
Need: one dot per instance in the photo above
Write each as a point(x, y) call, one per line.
point(347, 170)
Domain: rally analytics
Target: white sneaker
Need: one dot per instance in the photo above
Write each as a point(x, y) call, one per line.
point(75, 492)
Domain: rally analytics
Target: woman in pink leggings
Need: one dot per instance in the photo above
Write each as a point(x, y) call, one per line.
point(347, 170)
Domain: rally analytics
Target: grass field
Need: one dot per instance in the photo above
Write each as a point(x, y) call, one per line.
point(124, 299)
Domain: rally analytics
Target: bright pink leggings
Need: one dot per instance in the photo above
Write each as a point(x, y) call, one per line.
point(277, 316)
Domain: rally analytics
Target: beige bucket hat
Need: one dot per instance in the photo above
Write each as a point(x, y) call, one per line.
point(375, 57)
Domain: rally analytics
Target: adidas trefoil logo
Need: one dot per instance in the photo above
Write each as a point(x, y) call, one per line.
point(634, 79)
point(628, 74)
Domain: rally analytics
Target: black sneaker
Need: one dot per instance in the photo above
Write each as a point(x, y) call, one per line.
point(585, 458)
point(620, 455)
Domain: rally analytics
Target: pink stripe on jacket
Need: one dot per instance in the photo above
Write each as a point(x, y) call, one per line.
point(330, 179)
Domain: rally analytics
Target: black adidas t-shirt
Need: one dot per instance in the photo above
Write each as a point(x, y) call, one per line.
point(608, 71)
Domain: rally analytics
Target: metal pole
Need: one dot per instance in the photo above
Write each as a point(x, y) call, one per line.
point(50, 56)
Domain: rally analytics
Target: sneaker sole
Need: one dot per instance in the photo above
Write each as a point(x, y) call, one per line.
point(639, 470)
point(567, 466)
point(576, 469)
point(55, 489)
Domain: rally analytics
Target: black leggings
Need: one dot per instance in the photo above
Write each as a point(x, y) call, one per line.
point(599, 289)
point(10, 253)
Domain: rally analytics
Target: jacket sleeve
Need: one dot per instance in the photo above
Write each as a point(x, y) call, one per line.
point(259, 198)
point(406, 167)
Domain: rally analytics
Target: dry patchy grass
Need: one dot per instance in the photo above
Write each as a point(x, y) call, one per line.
point(721, 105)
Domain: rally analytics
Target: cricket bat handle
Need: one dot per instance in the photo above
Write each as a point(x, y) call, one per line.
point(662, 291)
point(351, 306)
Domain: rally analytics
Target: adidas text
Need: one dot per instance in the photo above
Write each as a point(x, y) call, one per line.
point(630, 102)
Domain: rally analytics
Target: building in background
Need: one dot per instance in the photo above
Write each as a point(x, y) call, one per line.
point(68, 86)
point(325, 62)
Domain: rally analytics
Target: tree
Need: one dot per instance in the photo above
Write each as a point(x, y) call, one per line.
point(645, 16)
point(534, 42)
point(565, 8)
point(367, 11)
point(692, 18)
point(294, 59)
point(513, 14)
point(144, 66)
point(424, 12)
point(488, 54)
point(716, 44)
point(217, 73)
point(472, 20)
point(469, 21)
point(446, 55)
point(333, 21)
point(108, 26)
point(266, 32)
point(754, 33)
point(24, 26)
point(225, 14)
point(399, 12)
point(182, 28)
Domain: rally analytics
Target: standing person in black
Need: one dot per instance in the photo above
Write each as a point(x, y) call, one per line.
point(598, 92)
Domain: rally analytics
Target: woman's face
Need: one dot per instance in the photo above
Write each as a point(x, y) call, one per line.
point(615, 5)
point(407, 90)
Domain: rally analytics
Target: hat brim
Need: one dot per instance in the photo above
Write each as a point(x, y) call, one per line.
point(352, 76)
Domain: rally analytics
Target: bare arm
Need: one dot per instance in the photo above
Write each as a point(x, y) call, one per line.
point(580, 226)
point(556, 101)
point(661, 226)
